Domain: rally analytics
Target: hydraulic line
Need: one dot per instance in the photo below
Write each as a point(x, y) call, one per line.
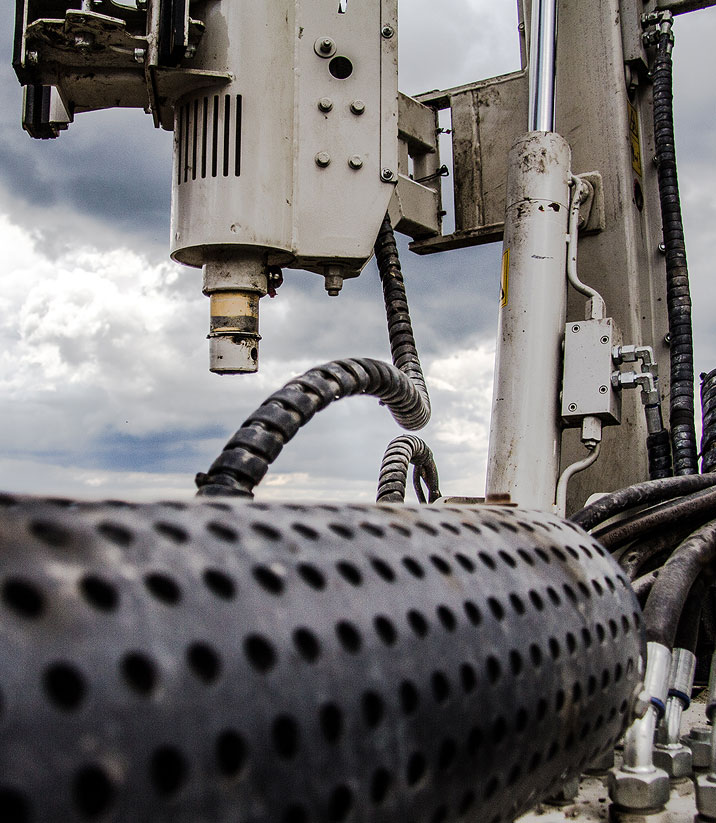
point(665, 604)
point(401, 452)
point(683, 433)
point(708, 411)
point(640, 494)
point(698, 508)
point(401, 387)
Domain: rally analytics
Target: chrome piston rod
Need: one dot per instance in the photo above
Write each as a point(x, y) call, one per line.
point(543, 65)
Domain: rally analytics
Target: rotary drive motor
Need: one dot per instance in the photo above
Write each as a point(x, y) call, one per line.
point(285, 121)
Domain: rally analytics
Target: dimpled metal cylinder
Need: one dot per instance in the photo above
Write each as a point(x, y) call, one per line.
point(277, 663)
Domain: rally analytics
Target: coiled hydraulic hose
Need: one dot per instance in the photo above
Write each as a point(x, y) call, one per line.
point(400, 453)
point(683, 433)
point(640, 494)
point(401, 387)
point(696, 555)
point(708, 411)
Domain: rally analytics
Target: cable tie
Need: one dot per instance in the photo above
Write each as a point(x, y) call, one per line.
point(682, 696)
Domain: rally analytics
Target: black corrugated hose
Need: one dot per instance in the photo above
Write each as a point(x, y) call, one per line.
point(401, 387)
point(401, 452)
point(708, 412)
point(683, 433)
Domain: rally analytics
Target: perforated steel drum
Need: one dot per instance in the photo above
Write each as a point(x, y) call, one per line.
point(298, 664)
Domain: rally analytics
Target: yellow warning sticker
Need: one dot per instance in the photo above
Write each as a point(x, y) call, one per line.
point(634, 139)
point(505, 278)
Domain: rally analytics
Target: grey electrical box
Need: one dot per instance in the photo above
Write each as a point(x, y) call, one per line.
point(587, 388)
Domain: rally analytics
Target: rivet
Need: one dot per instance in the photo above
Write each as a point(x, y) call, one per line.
point(355, 162)
point(603, 390)
point(387, 32)
point(323, 159)
point(386, 175)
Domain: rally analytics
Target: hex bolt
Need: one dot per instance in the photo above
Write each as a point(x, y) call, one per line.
point(325, 104)
point(357, 107)
point(603, 390)
point(386, 175)
point(355, 162)
point(387, 32)
point(324, 47)
point(323, 159)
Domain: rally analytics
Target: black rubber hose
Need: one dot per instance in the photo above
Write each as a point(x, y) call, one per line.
point(401, 452)
point(668, 595)
point(643, 555)
point(640, 494)
point(681, 411)
point(708, 412)
point(687, 632)
point(401, 387)
point(698, 508)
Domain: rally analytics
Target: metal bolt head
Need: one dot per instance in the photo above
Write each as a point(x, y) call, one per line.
point(355, 162)
point(139, 55)
point(706, 795)
point(662, 248)
point(572, 407)
point(521, 27)
point(387, 32)
point(667, 339)
point(357, 107)
point(603, 390)
point(31, 57)
point(325, 104)
point(324, 47)
point(604, 340)
point(386, 175)
point(674, 760)
point(323, 159)
point(639, 790)
point(576, 328)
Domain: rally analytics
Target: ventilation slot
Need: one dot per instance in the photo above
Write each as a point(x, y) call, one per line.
point(208, 138)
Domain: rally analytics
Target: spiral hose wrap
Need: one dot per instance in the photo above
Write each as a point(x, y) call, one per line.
point(683, 433)
point(401, 452)
point(708, 411)
point(401, 387)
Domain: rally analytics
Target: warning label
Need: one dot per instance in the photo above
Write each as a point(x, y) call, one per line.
point(505, 278)
point(634, 139)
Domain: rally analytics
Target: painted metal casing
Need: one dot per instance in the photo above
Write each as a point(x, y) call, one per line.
point(523, 458)
point(291, 156)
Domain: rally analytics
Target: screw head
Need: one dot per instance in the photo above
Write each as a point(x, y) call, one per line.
point(662, 248)
point(576, 328)
point(603, 390)
point(604, 340)
point(357, 107)
point(325, 104)
point(572, 407)
point(387, 32)
point(323, 159)
point(355, 162)
point(326, 45)
point(387, 175)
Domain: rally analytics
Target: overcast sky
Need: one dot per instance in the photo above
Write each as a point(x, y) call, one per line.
point(103, 357)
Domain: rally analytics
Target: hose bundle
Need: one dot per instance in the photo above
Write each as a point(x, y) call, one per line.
point(683, 433)
point(708, 412)
point(401, 387)
point(401, 452)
